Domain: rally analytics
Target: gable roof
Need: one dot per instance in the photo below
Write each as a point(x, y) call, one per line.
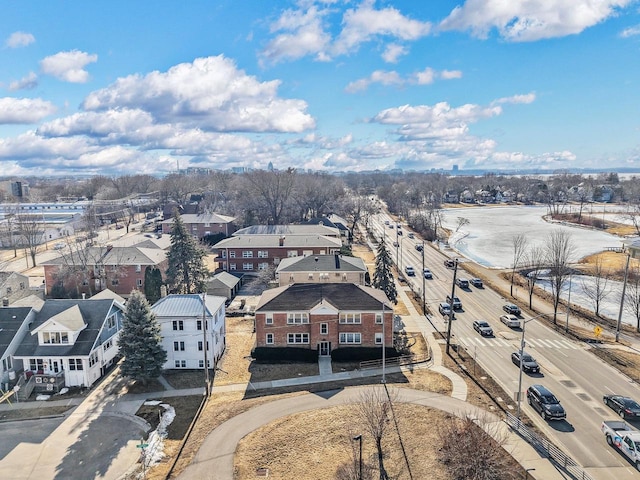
point(11, 319)
point(288, 230)
point(305, 296)
point(225, 278)
point(113, 256)
point(71, 319)
point(273, 241)
point(322, 263)
point(94, 313)
point(109, 294)
point(186, 305)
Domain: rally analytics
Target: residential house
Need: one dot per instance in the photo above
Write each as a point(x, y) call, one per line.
point(251, 253)
point(190, 330)
point(223, 284)
point(324, 317)
point(13, 287)
point(203, 224)
point(71, 343)
point(333, 221)
point(450, 197)
point(633, 249)
point(14, 325)
point(321, 269)
point(120, 269)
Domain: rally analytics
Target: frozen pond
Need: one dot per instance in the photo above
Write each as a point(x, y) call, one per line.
point(487, 240)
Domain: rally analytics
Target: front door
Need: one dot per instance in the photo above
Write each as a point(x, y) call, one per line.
point(325, 349)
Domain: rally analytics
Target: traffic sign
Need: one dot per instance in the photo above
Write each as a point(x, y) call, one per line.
point(142, 445)
point(597, 331)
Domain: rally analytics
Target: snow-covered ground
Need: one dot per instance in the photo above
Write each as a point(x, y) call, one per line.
point(488, 240)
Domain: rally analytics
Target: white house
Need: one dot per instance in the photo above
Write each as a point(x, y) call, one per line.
point(14, 325)
point(190, 330)
point(71, 342)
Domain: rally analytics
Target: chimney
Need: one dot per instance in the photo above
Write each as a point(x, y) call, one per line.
point(337, 262)
point(84, 296)
point(163, 291)
point(281, 242)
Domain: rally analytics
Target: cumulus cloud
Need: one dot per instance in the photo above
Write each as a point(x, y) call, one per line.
point(68, 66)
point(210, 93)
point(392, 52)
point(28, 82)
point(450, 74)
point(630, 32)
point(19, 39)
point(532, 20)
point(24, 110)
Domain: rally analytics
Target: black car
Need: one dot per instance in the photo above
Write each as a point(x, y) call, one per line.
point(511, 309)
point(626, 407)
point(476, 282)
point(449, 263)
point(529, 364)
point(483, 328)
point(545, 403)
point(419, 247)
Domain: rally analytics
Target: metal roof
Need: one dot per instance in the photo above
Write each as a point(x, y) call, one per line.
point(322, 263)
point(186, 305)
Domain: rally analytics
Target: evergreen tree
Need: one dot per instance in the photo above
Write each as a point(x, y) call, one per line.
point(152, 284)
point(383, 276)
point(186, 272)
point(140, 341)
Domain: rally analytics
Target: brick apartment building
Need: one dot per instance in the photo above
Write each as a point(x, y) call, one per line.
point(203, 224)
point(321, 269)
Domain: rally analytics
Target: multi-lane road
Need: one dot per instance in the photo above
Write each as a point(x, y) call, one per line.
point(576, 376)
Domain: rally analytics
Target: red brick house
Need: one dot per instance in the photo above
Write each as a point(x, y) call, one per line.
point(203, 224)
point(321, 269)
point(324, 317)
point(88, 271)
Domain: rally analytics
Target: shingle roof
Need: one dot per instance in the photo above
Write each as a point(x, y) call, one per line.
point(186, 305)
point(304, 296)
point(94, 313)
point(113, 256)
point(288, 230)
point(273, 241)
point(322, 263)
point(11, 319)
point(202, 218)
point(225, 278)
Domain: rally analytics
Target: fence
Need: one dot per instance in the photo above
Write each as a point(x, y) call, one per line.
point(548, 449)
point(396, 361)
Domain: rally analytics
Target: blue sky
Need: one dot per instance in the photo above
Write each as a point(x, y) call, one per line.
point(139, 87)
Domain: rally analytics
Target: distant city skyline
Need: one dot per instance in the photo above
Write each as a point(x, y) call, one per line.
point(336, 86)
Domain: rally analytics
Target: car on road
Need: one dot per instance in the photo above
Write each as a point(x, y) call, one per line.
point(529, 364)
point(511, 309)
point(510, 321)
point(483, 328)
point(409, 270)
point(444, 309)
point(462, 282)
point(626, 407)
point(410, 235)
point(449, 263)
point(427, 273)
point(545, 403)
point(396, 244)
point(399, 232)
point(419, 247)
point(59, 246)
point(390, 226)
point(386, 222)
point(476, 282)
point(457, 304)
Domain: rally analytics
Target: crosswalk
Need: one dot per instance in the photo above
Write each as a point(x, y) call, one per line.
point(531, 342)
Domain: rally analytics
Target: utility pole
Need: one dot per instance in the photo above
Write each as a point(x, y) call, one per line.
point(624, 290)
point(424, 309)
point(451, 314)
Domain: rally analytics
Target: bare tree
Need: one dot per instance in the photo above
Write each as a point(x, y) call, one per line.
point(519, 246)
point(8, 232)
point(632, 294)
point(559, 254)
point(596, 290)
point(273, 190)
point(316, 194)
point(461, 222)
point(31, 234)
point(633, 214)
point(357, 209)
point(535, 261)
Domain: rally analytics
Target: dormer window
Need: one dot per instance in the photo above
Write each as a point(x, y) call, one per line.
point(55, 337)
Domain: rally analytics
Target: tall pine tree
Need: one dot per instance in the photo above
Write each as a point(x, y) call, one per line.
point(140, 341)
point(186, 272)
point(383, 276)
point(152, 284)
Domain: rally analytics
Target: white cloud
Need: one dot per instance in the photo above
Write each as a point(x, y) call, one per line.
point(19, 39)
point(210, 93)
point(392, 52)
point(26, 83)
point(68, 66)
point(450, 74)
point(24, 110)
point(530, 20)
point(514, 99)
point(630, 32)
point(424, 77)
point(387, 78)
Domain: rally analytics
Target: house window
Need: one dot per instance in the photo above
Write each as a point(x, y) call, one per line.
point(36, 364)
point(207, 224)
point(292, 253)
point(138, 268)
point(111, 321)
point(55, 337)
point(263, 253)
point(232, 266)
point(378, 338)
point(378, 318)
point(21, 285)
point(297, 318)
point(297, 338)
point(93, 359)
point(198, 324)
point(85, 282)
point(8, 290)
point(350, 338)
point(199, 345)
point(247, 254)
point(115, 282)
point(247, 266)
point(232, 254)
point(324, 329)
point(75, 364)
point(344, 277)
point(324, 276)
point(107, 345)
point(178, 346)
point(269, 339)
point(178, 325)
point(139, 282)
point(311, 276)
point(350, 318)
point(224, 254)
point(263, 266)
point(291, 278)
point(268, 319)
point(201, 363)
point(181, 364)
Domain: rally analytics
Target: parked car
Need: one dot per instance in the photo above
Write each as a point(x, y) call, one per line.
point(456, 303)
point(511, 309)
point(476, 282)
point(529, 364)
point(59, 246)
point(545, 403)
point(399, 231)
point(444, 309)
point(386, 222)
point(419, 247)
point(483, 328)
point(410, 271)
point(626, 407)
point(462, 282)
point(390, 226)
point(510, 321)
point(427, 273)
point(396, 244)
point(449, 263)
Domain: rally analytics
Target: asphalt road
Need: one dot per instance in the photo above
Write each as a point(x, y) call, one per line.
point(569, 370)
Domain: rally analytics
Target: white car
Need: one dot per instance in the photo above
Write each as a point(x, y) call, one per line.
point(427, 273)
point(409, 270)
point(510, 321)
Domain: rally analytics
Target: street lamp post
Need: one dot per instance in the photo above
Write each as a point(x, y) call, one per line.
point(359, 438)
point(566, 328)
point(624, 290)
point(522, 345)
point(451, 314)
point(424, 309)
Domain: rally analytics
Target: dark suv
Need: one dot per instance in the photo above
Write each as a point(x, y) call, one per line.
point(545, 403)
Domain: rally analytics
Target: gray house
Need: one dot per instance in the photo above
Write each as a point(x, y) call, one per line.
point(224, 284)
point(321, 269)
